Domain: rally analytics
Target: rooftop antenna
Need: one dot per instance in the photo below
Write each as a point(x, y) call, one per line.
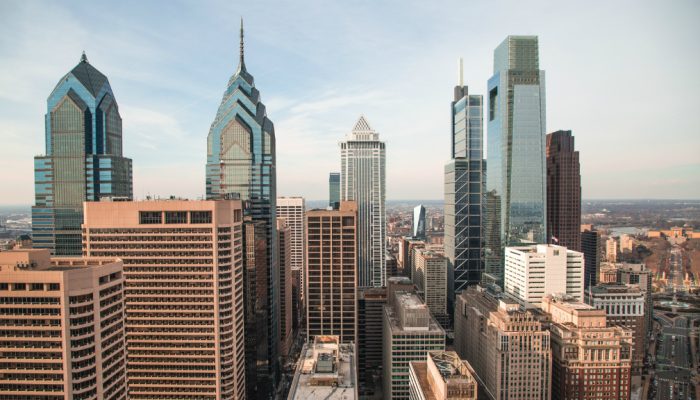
point(461, 72)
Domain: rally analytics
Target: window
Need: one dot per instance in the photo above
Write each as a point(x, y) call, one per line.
point(200, 217)
point(176, 217)
point(151, 217)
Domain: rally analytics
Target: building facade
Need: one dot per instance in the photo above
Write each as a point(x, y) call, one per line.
point(611, 249)
point(442, 376)
point(533, 272)
point(284, 238)
point(563, 191)
point(516, 169)
point(183, 276)
point(62, 325)
point(418, 222)
point(334, 190)
point(331, 272)
point(370, 312)
point(83, 158)
point(363, 180)
point(430, 278)
point(590, 247)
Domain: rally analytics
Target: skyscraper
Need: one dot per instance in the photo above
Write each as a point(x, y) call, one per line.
point(83, 160)
point(334, 190)
point(464, 188)
point(292, 210)
point(516, 195)
point(284, 234)
point(363, 180)
point(563, 191)
point(590, 246)
point(241, 164)
point(430, 278)
point(418, 225)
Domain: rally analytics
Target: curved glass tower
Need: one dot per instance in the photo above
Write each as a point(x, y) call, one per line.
point(83, 160)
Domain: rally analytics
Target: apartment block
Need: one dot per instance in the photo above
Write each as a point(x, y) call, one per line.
point(442, 376)
point(183, 273)
point(61, 327)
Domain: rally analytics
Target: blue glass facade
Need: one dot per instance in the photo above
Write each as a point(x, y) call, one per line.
point(83, 160)
point(334, 190)
point(418, 225)
point(516, 194)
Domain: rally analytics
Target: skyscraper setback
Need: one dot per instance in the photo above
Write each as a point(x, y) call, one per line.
point(83, 160)
point(563, 191)
point(516, 195)
point(363, 180)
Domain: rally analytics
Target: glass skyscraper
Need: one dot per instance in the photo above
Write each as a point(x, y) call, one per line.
point(241, 164)
point(334, 190)
point(83, 160)
point(516, 194)
point(418, 225)
point(363, 179)
point(464, 187)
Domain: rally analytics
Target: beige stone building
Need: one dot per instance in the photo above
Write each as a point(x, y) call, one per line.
point(61, 327)
point(442, 376)
point(430, 278)
point(183, 273)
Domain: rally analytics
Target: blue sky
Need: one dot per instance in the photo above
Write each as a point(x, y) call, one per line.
point(623, 76)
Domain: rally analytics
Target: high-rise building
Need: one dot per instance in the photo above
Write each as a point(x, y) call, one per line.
point(506, 341)
point(183, 274)
point(83, 158)
point(62, 327)
point(626, 243)
point(418, 223)
point(292, 210)
point(563, 191)
point(334, 190)
point(331, 272)
point(370, 311)
point(590, 246)
point(284, 238)
point(430, 278)
point(363, 180)
point(442, 376)
point(465, 181)
point(533, 272)
point(590, 360)
point(410, 332)
point(325, 371)
point(611, 249)
point(516, 169)
point(639, 274)
point(241, 164)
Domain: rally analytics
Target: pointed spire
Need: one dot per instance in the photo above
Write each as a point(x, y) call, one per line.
point(83, 58)
point(241, 61)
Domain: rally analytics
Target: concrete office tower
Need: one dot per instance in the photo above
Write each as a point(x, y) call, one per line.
point(183, 273)
point(334, 190)
point(516, 169)
point(292, 210)
point(590, 359)
point(533, 272)
point(363, 180)
point(431, 280)
point(409, 333)
point(563, 191)
point(83, 159)
point(284, 238)
point(63, 327)
point(639, 274)
point(370, 312)
point(590, 246)
point(406, 247)
point(442, 376)
point(325, 371)
point(418, 223)
point(611, 249)
point(507, 343)
point(465, 180)
point(241, 163)
point(331, 272)
point(625, 306)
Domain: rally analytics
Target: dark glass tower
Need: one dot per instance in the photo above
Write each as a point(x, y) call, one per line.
point(464, 188)
point(241, 164)
point(334, 190)
point(563, 191)
point(515, 193)
point(590, 247)
point(83, 160)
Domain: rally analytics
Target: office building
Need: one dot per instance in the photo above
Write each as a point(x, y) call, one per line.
point(506, 341)
point(626, 243)
point(392, 268)
point(533, 272)
point(639, 274)
point(370, 312)
point(183, 273)
point(292, 210)
point(62, 327)
point(363, 180)
point(516, 169)
point(409, 333)
point(563, 191)
point(465, 181)
point(325, 371)
point(430, 278)
point(590, 359)
point(241, 164)
point(406, 247)
point(334, 190)
point(611, 249)
point(624, 306)
point(590, 247)
point(83, 158)
point(331, 272)
point(442, 376)
point(418, 223)
point(284, 238)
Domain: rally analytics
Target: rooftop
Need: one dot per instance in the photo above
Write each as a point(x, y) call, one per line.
point(326, 370)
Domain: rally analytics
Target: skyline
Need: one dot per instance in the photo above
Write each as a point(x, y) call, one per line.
point(168, 101)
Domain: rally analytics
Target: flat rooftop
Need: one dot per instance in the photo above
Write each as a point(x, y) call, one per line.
point(326, 371)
